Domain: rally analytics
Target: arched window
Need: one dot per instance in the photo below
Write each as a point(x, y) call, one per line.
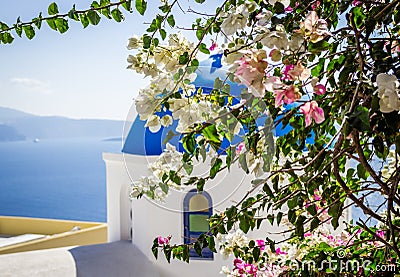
point(197, 209)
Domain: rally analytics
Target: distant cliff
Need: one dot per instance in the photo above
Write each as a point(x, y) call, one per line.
point(50, 127)
point(8, 133)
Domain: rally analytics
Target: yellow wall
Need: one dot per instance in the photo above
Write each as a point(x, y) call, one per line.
point(58, 233)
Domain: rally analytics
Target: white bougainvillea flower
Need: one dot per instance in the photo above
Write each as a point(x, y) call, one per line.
point(154, 124)
point(263, 18)
point(313, 28)
point(388, 92)
point(275, 55)
point(166, 120)
point(146, 103)
point(236, 20)
point(277, 38)
point(133, 43)
point(285, 3)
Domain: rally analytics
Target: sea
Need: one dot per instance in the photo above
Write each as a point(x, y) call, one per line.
point(64, 179)
point(58, 178)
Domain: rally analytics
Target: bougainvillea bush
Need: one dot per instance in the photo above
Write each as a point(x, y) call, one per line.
point(328, 69)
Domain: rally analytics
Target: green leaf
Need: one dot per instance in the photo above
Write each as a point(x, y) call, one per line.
point(18, 29)
point(360, 119)
point(154, 248)
point(318, 68)
point(211, 134)
point(189, 143)
point(141, 6)
point(104, 2)
point(279, 218)
point(362, 172)
point(127, 5)
point(52, 24)
point(244, 224)
point(95, 5)
point(200, 1)
point(315, 223)
point(215, 168)
point(200, 184)
point(171, 20)
point(164, 187)
point(62, 25)
point(203, 48)
point(84, 20)
point(52, 9)
point(94, 17)
point(199, 33)
point(243, 163)
point(29, 31)
point(256, 253)
point(211, 244)
point(106, 12)
point(117, 15)
point(146, 41)
point(73, 15)
point(38, 21)
point(3, 26)
point(359, 16)
point(163, 33)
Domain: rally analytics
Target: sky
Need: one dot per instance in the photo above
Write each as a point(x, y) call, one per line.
point(79, 74)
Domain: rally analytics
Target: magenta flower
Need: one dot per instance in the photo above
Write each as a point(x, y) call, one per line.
point(288, 9)
point(380, 234)
point(312, 111)
point(261, 244)
point(279, 252)
point(240, 148)
point(319, 89)
point(286, 71)
point(356, 3)
point(213, 46)
point(315, 5)
point(163, 241)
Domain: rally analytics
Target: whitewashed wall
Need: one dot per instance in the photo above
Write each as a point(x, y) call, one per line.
point(151, 219)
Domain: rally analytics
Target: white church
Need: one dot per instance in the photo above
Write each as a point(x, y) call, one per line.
point(132, 225)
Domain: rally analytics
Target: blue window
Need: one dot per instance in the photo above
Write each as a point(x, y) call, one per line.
point(197, 209)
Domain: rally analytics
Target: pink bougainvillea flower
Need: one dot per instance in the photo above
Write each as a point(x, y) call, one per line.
point(315, 5)
point(163, 241)
point(213, 46)
point(312, 111)
point(286, 70)
point(380, 233)
point(356, 3)
point(240, 148)
point(288, 9)
point(319, 89)
point(308, 234)
point(295, 72)
point(251, 71)
point(261, 244)
point(287, 95)
point(280, 252)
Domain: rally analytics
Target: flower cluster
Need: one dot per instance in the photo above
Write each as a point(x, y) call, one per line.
point(153, 185)
point(388, 93)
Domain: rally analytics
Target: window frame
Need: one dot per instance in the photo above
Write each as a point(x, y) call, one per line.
point(207, 254)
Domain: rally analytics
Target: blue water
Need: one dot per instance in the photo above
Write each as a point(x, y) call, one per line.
point(63, 179)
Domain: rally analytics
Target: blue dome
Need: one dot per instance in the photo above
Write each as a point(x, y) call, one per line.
point(141, 141)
